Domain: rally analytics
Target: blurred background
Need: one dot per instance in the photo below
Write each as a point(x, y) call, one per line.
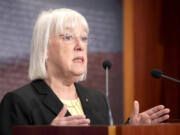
point(17, 18)
point(135, 35)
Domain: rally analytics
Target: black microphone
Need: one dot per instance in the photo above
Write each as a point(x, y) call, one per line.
point(107, 66)
point(158, 74)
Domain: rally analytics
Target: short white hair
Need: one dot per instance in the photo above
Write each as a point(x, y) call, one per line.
point(51, 21)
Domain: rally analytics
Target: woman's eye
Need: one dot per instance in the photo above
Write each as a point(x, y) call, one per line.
point(67, 37)
point(84, 39)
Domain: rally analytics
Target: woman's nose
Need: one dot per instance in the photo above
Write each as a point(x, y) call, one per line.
point(79, 44)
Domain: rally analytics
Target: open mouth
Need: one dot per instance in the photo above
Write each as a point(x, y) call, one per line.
point(78, 59)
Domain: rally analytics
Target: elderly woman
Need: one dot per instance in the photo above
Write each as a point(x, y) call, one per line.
point(58, 61)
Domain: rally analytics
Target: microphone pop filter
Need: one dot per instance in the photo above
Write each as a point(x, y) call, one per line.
point(156, 73)
point(107, 64)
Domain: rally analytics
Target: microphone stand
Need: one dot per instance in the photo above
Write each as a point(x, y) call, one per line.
point(107, 97)
point(170, 78)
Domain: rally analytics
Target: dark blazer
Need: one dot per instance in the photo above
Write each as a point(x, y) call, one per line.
point(36, 104)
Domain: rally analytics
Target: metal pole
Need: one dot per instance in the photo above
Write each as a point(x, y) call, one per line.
point(107, 97)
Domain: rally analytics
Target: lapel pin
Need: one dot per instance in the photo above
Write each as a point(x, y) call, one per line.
point(86, 99)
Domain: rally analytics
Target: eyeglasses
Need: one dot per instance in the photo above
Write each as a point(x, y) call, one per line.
point(72, 39)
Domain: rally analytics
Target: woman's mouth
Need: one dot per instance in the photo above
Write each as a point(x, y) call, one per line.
point(78, 59)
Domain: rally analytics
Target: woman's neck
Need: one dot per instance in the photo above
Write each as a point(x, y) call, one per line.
point(61, 89)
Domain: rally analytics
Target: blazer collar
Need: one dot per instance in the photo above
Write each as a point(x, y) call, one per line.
point(49, 99)
point(86, 101)
point(84, 98)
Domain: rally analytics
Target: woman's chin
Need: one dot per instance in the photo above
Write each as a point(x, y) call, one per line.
point(79, 71)
point(78, 74)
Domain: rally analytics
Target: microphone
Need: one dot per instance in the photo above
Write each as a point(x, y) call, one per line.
point(107, 66)
point(158, 74)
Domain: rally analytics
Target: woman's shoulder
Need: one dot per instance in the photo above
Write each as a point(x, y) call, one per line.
point(28, 91)
point(19, 93)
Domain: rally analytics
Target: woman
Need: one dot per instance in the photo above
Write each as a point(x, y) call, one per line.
point(58, 61)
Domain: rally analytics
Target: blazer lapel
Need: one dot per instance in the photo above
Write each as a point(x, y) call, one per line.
point(86, 103)
point(50, 100)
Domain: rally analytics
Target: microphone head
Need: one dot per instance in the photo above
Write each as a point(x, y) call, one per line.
point(156, 73)
point(107, 64)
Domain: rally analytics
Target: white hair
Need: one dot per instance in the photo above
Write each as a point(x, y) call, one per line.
point(51, 21)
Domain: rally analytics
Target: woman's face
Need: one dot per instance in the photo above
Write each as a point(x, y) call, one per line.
point(67, 53)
